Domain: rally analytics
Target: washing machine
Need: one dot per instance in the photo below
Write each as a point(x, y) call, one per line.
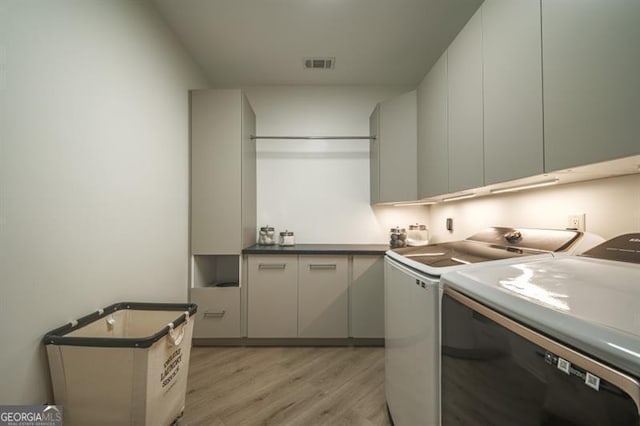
point(412, 306)
point(545, 341)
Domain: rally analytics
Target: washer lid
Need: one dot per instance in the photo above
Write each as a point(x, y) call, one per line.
point(491, 244)
point(531, 238)
point(460, 253)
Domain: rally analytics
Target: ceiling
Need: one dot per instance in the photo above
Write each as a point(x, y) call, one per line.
point(263, 42)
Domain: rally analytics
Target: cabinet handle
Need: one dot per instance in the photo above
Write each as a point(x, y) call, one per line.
point(323, 266)
point(208, 314)
point(271, 266)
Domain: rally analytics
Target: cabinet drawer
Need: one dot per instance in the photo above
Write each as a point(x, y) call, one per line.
point(218, 312)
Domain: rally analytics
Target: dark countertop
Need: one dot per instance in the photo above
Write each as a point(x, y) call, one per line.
point(355, 249)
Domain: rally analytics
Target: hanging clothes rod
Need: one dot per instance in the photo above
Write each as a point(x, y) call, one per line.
point(314, 137)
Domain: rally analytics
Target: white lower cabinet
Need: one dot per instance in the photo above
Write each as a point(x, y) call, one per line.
point(272, 296)
point(366, 297)
point(218, 312)
point(315, 296)
point(323, 305)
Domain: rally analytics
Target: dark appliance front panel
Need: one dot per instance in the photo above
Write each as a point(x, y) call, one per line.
point(492, 375)
point(624, 248)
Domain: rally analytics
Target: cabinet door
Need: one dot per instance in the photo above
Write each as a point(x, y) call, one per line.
point(397, 149)
point(218, 312)
point(512, 75)
point(248, 174)
point(591, 63)
point(374, 155)
point(366, 297)
point(323, 296)
point(216, 172)
point(466, 152)
point(272, 296)
point(433, 152)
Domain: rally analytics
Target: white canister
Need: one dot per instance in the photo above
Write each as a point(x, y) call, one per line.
point(287, 238)
point(418, 235)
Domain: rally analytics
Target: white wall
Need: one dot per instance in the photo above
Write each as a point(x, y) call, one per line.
point(320, 189)
point(612, 207)
point(93, 170)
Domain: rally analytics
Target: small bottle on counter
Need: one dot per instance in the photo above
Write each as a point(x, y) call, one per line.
point(287, 238)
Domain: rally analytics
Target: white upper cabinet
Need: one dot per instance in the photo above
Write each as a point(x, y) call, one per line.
point(512, 82)
point(591, 67)
point(433, 151)
point(466, 165)
point(530, 87)
point(223, 163)
point(393, 167)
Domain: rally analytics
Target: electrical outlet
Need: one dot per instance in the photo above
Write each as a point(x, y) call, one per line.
point(576, 221)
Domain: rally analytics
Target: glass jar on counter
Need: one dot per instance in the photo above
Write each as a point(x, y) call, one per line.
point(266, 236)
point(397, 237)
point(418, 235)
point(287, 238)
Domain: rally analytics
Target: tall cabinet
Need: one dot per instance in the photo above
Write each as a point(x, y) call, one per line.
point(223, 172)
point(223, 206)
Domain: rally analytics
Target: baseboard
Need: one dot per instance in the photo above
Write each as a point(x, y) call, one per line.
point(245, 341)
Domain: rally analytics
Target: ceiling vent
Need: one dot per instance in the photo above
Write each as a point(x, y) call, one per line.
point(319, 63)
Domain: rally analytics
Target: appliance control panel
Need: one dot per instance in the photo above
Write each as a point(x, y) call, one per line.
point(624, 248)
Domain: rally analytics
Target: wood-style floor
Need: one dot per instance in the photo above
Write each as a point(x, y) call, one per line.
point(244, 386)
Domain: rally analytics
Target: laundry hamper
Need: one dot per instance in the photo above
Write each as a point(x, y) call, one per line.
point(126, 364)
